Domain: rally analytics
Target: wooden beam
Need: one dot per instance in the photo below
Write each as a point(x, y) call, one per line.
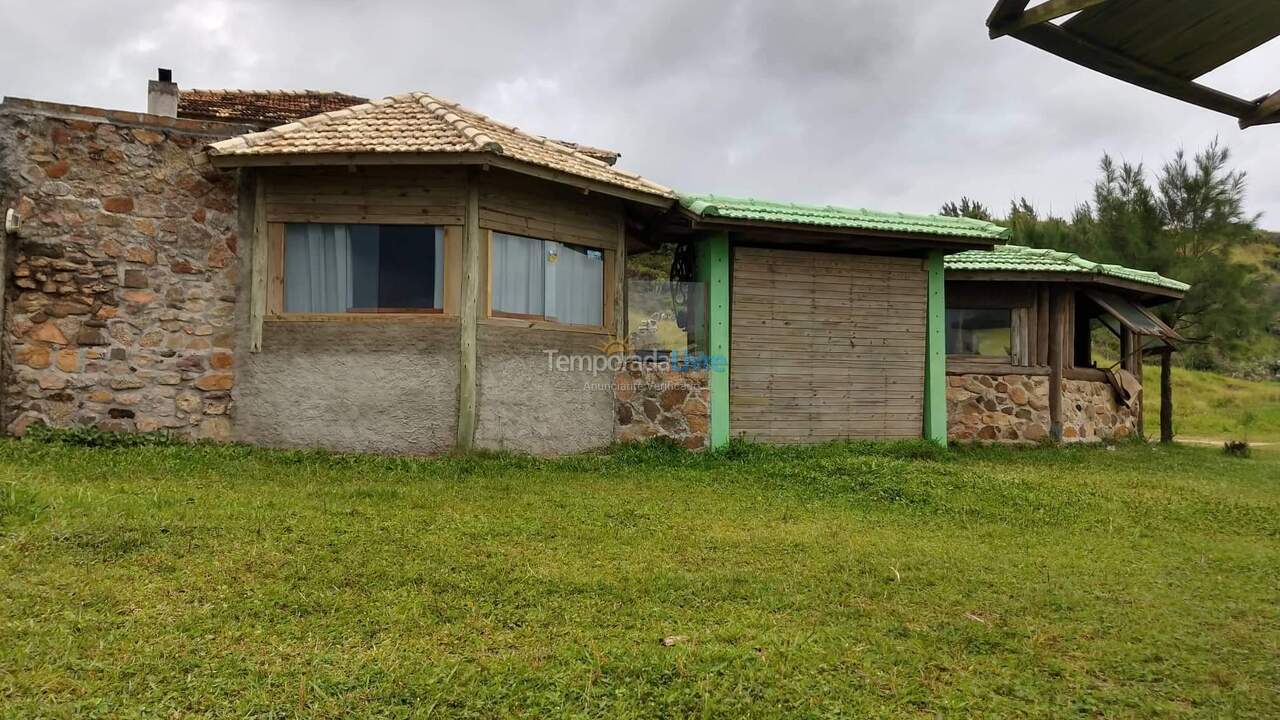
point(469, 316)
point(714, 267)
point(1006, 10)
point(1268, 111)
point(259, 252)
point(1166, 396)
point(1042, 13)
point(1067, 45)
point(1057, 332)
point(935, 365)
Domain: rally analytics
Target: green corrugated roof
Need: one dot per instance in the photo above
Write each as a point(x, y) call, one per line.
point(716, 206)
point(1018, 258)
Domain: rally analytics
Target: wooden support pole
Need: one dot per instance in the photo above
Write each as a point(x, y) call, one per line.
point(1166, 395)
point(1057, 341)
point(259, 251)
point(935, 365)
point(469, 316)
point(713, 270)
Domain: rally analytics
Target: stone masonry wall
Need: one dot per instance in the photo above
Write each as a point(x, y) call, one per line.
point(662, 403)
point(1091, 413)
point(121, 291)
point(1006, 408)
point(1015, 408)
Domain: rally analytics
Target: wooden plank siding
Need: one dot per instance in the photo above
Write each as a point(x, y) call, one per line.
point(520, 206)
point(826, 346)
point(383, 195)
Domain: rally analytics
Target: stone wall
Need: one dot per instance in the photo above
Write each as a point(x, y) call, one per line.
point(1015, 408)
point(652, 402)
point(1090, 412)
point(122, 275)
point(1005, 408)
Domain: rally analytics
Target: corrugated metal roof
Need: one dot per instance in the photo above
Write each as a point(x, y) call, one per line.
point(716, 206)
point(1019, 258)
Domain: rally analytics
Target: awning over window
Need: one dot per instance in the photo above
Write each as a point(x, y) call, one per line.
point(1137, 319)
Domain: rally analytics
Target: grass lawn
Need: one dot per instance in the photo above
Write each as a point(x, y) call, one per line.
point(1209, 405)
point(834, 581)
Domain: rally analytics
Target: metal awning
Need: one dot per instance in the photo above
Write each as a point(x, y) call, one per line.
point(1138, 320)
point(1161, 45)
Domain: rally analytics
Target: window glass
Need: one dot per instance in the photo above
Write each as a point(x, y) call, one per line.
point(545, 280)
point(334, 268)
point(986, 332)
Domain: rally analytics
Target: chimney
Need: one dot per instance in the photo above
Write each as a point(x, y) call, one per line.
point(162, 95)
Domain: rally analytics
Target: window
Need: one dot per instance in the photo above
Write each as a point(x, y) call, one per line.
point(981, 332)
point(544, 280)
point(332, 268)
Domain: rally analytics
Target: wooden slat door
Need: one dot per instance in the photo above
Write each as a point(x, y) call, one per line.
point(826, 346)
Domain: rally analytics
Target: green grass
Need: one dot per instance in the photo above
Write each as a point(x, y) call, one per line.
point(1209, 405)
point(838, 581)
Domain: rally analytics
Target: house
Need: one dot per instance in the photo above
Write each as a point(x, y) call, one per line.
point(1021, 360)
point(408, 275)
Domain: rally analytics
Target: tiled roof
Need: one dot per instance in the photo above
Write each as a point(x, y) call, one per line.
point(269, 107)
point(420, 123)
point(1018, 258)
point(715, 206)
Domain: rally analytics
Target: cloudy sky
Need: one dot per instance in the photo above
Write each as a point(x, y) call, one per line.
point(891, 105)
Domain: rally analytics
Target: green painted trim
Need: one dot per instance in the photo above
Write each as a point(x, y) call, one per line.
point(935, 366)
point(713, 270)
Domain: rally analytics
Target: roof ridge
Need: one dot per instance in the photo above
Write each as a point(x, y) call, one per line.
point(257, 138)
point(445, 111)
point(240, 91)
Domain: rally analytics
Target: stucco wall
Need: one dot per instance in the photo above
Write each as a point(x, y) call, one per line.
point(526, 405)
point(375, 386)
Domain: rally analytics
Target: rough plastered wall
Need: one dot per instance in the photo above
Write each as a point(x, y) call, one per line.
point(369, 386)
point(525, 404)
point(653, 402)
point(1015, 408)
point(1090, 412)
point(121, 280)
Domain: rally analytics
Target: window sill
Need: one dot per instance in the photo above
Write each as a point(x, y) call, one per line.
point(542, 325)
point(971, 366)
point(357, 317)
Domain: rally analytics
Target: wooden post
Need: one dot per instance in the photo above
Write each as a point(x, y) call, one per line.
point(935, 365)
point(259, 250)
point(469, 316)
point(713, 269)
point(1057, 328)
point(1166, 395)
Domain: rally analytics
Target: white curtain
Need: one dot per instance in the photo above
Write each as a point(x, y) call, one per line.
point(575, 285)
point(518, 275)
point(317, 268)
point(438, 280)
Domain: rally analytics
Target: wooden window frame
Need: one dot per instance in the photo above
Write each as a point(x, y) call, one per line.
point(540, 322)
point(1019, 339)
point(452, 283)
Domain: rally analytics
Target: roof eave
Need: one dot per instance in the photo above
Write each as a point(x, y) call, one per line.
point(585, 184)
point(953, 243)
point(1082, 277)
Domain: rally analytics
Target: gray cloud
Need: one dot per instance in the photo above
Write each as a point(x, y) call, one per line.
point(892, 105)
